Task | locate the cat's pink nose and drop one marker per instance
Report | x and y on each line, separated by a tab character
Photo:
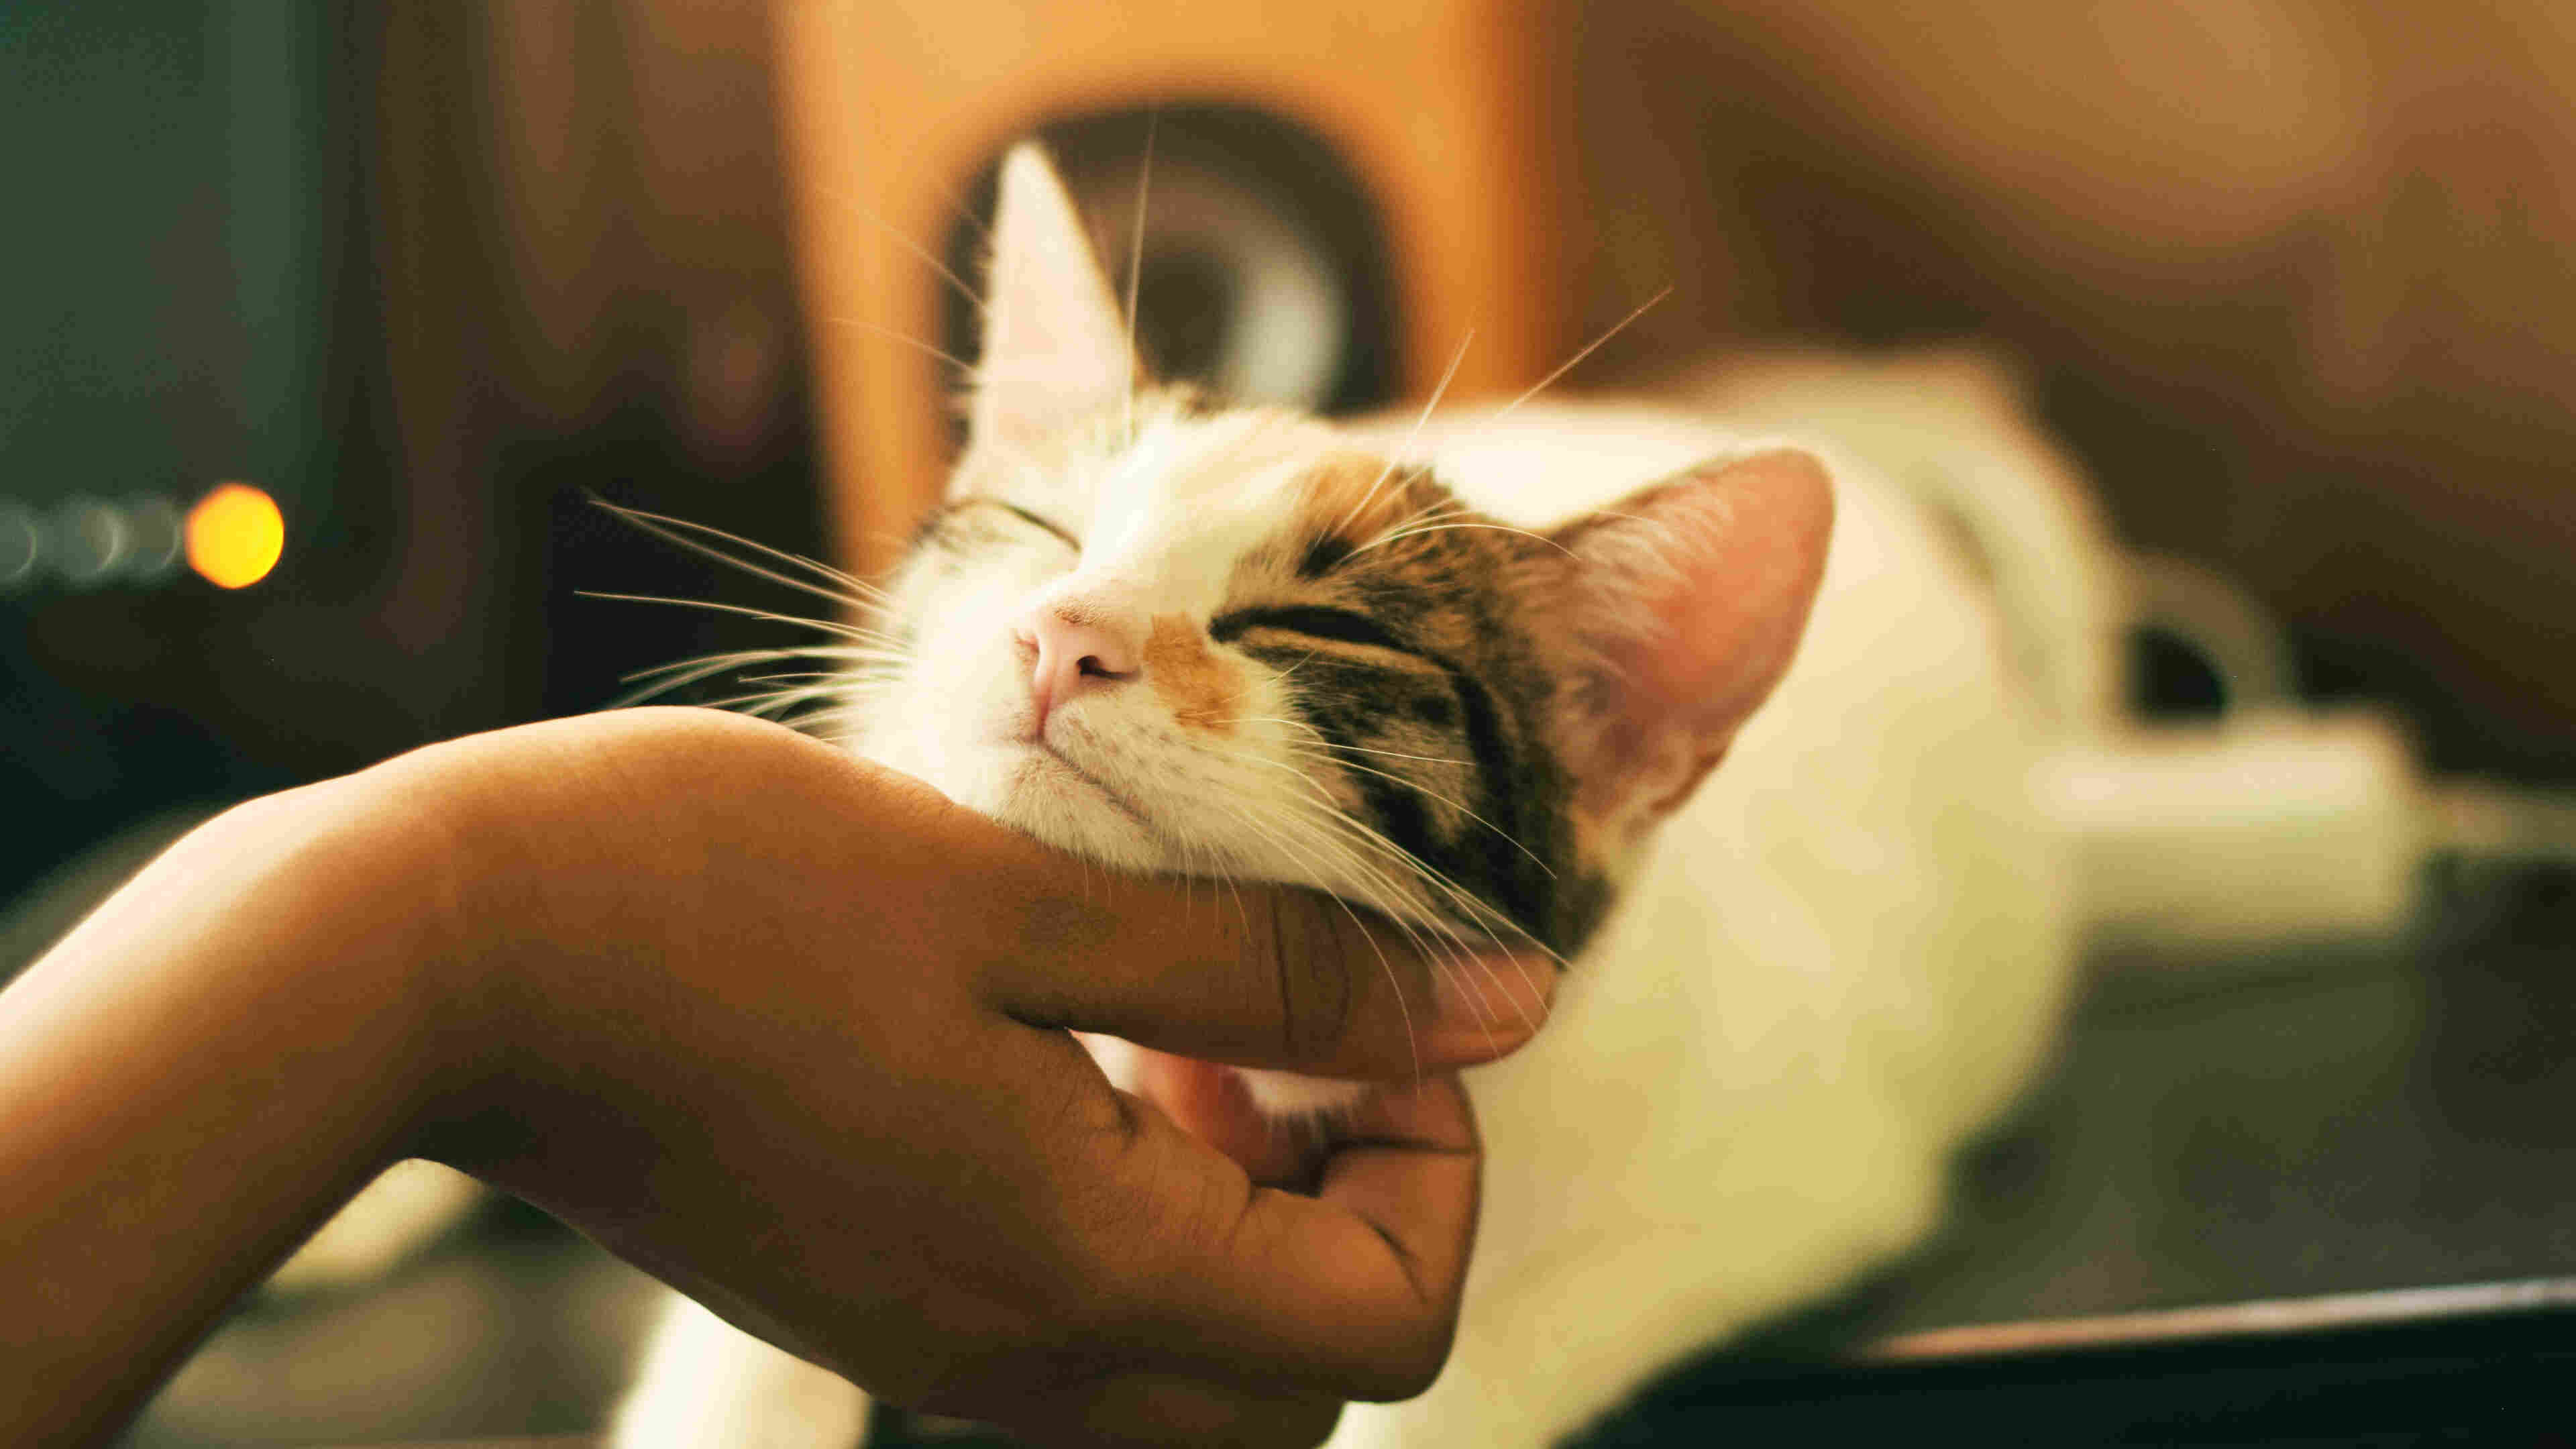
1076	653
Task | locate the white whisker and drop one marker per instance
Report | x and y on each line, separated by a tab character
845	631
861	594
1330	753
1412	1046
739	657
937	267
1393	458
906	339
1136	268
1588	349
1360	749
1445	527
1373	887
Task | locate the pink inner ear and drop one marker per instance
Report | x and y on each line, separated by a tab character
1696	590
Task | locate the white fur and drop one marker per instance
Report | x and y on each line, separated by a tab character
1842	955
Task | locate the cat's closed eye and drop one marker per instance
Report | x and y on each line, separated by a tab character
986	505
1316	621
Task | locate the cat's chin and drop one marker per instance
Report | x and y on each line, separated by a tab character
1041	793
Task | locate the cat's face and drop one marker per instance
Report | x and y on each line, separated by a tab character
1216	650
1228	643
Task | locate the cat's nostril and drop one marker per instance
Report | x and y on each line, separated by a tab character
1069	655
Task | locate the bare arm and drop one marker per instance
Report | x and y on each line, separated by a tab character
779	1027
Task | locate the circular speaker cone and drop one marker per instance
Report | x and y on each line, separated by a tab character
1256	264
1233	289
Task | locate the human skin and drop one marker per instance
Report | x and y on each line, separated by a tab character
785	1029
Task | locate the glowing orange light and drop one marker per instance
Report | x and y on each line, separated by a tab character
235	535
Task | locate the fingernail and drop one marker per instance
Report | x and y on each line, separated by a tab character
1487	1005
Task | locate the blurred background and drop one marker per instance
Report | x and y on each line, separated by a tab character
2289	280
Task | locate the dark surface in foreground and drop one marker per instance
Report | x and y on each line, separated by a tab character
2339	1121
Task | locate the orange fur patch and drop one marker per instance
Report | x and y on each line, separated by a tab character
1193	681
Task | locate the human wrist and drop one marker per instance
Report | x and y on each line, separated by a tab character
373	932
197	1076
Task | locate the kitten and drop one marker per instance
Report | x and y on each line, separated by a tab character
1475	677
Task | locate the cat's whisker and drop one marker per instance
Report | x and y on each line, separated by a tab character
1568	365
1360	508
1425	790
1360	749
1412	1045
1355	878
1466	903
1474	908
861	593
1477	908
692	672
1136	268
687	672
1328	814
1445	527
767	703
736	658
804	723
1491	921
907	339
1432	512
1376	890
845	631
894	234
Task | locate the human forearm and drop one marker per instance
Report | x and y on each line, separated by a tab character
192	1081
788	1030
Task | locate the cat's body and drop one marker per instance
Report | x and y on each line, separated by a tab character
1781	1011
1843	955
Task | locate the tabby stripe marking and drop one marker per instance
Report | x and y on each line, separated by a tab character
1522	891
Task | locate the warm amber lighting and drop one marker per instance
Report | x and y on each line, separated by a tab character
235	535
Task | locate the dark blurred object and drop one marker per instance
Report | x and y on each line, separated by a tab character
2289	274
173	279
2317	1197
2292	275
429	278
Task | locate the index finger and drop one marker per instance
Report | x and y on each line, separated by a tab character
1257	976
1353	1292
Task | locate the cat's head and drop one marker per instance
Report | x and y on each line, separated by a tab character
1228	642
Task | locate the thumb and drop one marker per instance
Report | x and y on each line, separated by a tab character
1255	976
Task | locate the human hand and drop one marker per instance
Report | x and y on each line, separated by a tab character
791	1032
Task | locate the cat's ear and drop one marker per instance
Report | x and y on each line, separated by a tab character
1055	350
1685	601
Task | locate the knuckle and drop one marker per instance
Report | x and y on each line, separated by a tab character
1307	1422
1409	1369
1313	955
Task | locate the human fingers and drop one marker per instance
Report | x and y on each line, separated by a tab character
1253	976
1211	1103
1352	1292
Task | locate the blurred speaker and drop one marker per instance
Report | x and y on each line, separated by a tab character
1257	258
1342	195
